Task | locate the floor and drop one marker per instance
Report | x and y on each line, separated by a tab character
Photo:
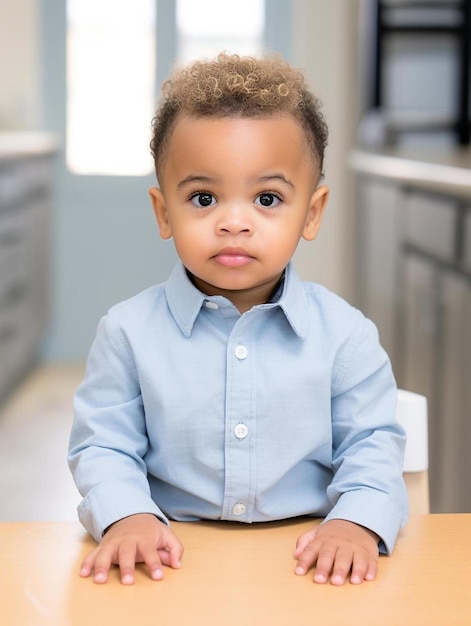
35	421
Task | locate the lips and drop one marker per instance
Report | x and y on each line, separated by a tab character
233	257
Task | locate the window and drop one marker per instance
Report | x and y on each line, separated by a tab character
111	72
207	27
111	67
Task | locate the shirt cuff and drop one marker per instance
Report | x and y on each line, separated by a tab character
374	510
112	501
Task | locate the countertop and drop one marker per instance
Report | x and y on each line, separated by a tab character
444	170
235	574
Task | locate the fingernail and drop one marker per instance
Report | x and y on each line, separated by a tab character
299	571
157	574
127	579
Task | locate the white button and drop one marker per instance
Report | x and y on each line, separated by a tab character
211	305
238	509
241	431
241	352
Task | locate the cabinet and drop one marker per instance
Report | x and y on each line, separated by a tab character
436	362
408	45
25	202
414	281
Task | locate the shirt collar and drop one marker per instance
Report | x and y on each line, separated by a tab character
293	302
185	300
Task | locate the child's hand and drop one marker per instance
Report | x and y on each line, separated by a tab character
136	539
337	547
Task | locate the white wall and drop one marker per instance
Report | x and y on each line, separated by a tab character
19	65
324	47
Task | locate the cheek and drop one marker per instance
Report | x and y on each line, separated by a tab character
188	238
286	233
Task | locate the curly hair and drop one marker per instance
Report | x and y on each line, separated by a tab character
238	86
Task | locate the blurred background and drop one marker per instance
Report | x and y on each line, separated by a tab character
79	82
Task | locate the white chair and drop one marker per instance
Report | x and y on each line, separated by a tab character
412	414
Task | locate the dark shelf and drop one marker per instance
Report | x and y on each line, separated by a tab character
461	31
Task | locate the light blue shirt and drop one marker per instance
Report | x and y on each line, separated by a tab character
190	410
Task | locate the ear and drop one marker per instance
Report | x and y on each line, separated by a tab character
317	206
160	212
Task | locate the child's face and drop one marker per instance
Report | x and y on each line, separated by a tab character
237	195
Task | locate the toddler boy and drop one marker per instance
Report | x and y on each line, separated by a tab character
235	391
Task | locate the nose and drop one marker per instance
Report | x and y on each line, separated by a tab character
234	221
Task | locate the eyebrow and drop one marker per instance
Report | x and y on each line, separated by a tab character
196	179
266	178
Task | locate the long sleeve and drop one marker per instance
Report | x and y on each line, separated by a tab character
109	440
368	444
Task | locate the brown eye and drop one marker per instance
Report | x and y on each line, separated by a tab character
267	200
203	200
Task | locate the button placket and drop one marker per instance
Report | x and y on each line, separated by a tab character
239	491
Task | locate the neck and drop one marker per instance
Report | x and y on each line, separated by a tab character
242	299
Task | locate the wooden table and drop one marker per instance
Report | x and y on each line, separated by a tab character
234	574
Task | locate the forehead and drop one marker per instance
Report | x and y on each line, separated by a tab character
220	141
215	123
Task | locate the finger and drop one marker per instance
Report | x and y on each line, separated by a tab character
359	567
325	562
303	541
172	555
127	562
364	568
151	558
306	559
372	570
341	566
88	564
103	562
